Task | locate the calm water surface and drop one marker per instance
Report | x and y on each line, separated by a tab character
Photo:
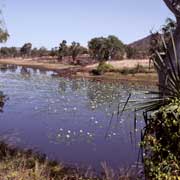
73	121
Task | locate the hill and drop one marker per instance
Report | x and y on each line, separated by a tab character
142	44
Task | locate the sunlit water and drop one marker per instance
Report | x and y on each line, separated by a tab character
73	121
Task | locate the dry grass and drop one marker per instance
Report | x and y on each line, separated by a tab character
26	165
127	63
41	64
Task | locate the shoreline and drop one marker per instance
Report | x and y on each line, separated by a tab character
27	164
76	71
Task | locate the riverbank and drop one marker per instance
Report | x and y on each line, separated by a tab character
148	77
26	165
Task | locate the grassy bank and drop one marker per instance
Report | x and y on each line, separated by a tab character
18	164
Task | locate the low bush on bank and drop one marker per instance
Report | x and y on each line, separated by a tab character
137	69
102	68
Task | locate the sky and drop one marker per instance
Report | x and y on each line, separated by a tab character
47	22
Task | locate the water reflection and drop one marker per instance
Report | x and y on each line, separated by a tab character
72	120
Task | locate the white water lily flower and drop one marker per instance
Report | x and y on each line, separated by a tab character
68	136
96	122
69	131
81	131
92	118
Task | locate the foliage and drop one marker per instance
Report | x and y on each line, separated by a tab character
3	35
26	49
106	48
102	68
54	52
9	52
131	52
63	49
161	143
42	51
75	50
137	69
26	165
161	138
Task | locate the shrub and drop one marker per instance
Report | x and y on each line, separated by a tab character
102	68
161	143
138	69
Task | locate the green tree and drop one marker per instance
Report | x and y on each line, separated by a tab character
63	50
131	52
54	52
3	30
104	49
115	47
5	52
74	50
43	52
26	50
3	35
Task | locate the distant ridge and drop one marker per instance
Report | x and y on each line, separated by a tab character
142	44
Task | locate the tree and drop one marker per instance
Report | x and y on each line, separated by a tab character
116	47
43	52
4	52
75	49
104	49
131	52
63	49
54	52
26	49
3	35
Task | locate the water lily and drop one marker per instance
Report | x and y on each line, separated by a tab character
68	136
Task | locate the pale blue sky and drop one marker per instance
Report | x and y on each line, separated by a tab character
48	22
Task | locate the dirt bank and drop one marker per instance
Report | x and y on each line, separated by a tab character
79	71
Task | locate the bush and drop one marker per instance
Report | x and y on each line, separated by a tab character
162	143
102	68
138	69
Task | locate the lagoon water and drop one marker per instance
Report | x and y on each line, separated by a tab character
75	121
